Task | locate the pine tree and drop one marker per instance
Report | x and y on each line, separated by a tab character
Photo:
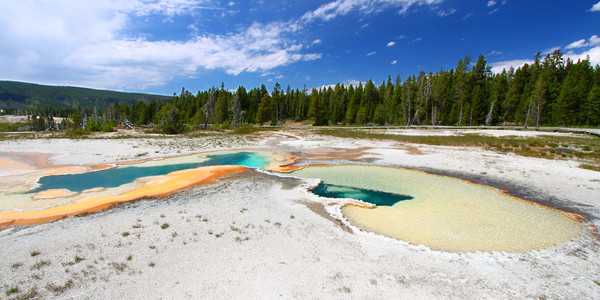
264	110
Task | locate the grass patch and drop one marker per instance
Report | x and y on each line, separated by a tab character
31	294
35	253
587	148
124	234
164	226
12	290
8	127
16	265
59	289
151	265
590	167
40	264
118	266
252	129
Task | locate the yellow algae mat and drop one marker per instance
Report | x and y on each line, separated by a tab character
448	214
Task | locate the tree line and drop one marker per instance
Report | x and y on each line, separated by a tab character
551	91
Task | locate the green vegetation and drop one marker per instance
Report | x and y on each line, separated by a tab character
35	253
164	226
550	91
4	127
27	96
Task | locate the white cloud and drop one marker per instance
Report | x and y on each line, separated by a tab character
467	16
86	43
338	8
81	43
317	41
497	67
587	50
550	50
390	44
371	53
346	83
596	7
577	44
494	11
393	62
491	3
593	54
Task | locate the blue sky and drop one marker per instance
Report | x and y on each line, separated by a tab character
160	46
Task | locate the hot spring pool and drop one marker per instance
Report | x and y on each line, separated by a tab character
447	214
125	174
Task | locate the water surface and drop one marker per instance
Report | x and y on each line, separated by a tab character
126	174
378	198
446	213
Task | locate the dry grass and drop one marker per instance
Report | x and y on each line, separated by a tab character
585	149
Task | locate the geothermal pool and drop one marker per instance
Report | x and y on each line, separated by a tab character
442	213
120	175
448	214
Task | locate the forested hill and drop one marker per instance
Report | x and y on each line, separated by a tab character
29	96
551	91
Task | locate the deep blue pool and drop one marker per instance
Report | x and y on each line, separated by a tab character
121	175
376	197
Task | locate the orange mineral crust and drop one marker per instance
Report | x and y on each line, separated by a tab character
154	187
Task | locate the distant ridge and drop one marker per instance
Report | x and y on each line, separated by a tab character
14	94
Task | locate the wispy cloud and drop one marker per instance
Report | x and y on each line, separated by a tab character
491	3
331	10
494	11
467	16
444	13
595	7
393	62
371	53
390	44
415	40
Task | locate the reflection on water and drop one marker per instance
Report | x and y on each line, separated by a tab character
125	174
